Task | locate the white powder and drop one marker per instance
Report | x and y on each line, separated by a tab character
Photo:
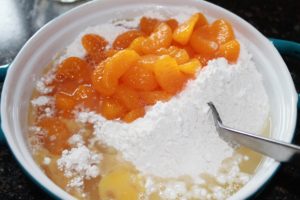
178	137
49	112
218	193
41	85
41	101
36	138
197	192
90	117
79	163
76	139
173	190
228	176
47	161
36	130
45	105
42	88
230	173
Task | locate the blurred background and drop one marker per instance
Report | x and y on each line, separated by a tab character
20	19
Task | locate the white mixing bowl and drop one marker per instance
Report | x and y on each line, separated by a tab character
57	34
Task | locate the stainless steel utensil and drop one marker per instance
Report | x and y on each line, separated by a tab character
280	151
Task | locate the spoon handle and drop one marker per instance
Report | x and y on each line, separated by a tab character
280	151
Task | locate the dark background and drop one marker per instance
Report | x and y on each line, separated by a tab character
19	19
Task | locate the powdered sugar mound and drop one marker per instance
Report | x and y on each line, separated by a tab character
79	163
178	137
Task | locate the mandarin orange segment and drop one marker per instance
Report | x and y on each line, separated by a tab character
150	98
95	59
136	45
128	97
93	43
202	45
133	115
222	31
147	61
73	68
201	21
168	74
191	67
160	38
207	33
181	56
147	25
57	134
190	51
64	102
105	77
112	109
124	40
140	78
118	64
87	96
162	51
173	23
203	59
84	92
184	31
67	87
110	52
98	83
229	50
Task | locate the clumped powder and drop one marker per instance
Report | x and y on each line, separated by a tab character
79	163
178	137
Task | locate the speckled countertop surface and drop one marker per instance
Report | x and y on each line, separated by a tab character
19	19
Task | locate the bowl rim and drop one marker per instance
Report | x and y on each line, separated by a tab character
4	103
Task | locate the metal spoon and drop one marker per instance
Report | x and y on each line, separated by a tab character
280	151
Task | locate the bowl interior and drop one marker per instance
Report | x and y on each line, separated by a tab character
41	48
